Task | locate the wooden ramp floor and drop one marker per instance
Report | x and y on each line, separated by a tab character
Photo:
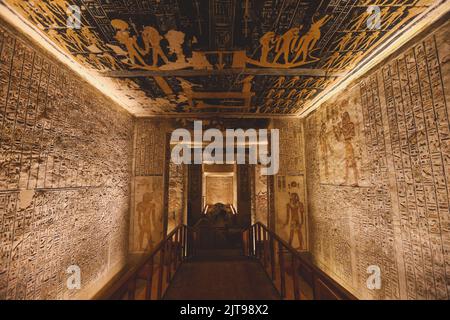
221	277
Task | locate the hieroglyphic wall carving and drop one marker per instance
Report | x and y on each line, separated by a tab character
147	225
290	206
291	145
150	146
65	168
399	218
290	210
261	196
148	212
177	192
340	137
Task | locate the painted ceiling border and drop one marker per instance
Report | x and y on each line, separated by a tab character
105	86
396	41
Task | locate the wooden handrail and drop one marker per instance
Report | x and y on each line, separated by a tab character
158	267
261	243
172	251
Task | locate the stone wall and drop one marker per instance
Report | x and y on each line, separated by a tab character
149	199
65	166
177	195
377	172
261	196
289	189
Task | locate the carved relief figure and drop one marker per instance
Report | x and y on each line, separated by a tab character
346	130
146	212
290	210
295	218
290	49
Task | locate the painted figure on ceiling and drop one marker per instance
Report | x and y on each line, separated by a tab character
94	43
130	42
308	42
290	49
285	44
345	60
292	82
357	41
109	61
390	20
49	14
309	81
28	10
59	5
176	41
279	82
267	42
61	41
152	41
331	60
369	40
279	94
74	38
344	41
291	94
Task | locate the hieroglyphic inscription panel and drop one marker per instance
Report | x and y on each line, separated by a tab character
148	211
290	206
150	146
65	167
399	220
291	145
177	199
261	196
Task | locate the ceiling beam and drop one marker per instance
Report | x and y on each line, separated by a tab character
206	115
233	71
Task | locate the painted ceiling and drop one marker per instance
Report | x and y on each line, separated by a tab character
219	56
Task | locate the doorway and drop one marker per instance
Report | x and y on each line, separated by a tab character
219	186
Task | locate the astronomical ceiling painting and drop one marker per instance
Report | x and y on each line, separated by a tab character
219	56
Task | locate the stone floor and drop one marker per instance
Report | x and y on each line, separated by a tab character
221	277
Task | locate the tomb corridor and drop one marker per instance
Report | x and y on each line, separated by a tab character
224	150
